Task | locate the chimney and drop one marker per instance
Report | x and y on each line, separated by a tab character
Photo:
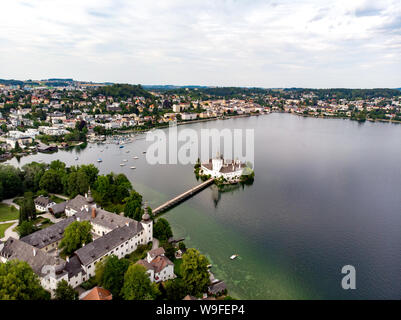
93	212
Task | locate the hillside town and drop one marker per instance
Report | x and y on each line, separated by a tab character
44	116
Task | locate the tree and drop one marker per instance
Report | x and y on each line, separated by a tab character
51	181
162	230
91	172
25	228
19	282
27	210
77	183
194	271
75	235
10	178
133	207
137	285
17	148
175	289
182	246
170	251
65	292
32	174
110	274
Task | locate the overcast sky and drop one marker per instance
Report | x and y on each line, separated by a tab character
281	43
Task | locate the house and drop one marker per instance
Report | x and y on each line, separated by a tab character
158	266
188	116
42	203
97	293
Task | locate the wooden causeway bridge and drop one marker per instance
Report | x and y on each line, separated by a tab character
173	202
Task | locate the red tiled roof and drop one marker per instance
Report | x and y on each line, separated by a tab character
98	293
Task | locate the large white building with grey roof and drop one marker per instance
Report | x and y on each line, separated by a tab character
113	233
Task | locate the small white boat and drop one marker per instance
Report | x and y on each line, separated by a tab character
99	160
76	158
133	168
136	157
125	160
122	164
234	256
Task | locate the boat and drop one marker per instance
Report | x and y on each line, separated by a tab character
144	152
76	158
121	147
136	157
132	168
99	160
234	256
122	164
125	160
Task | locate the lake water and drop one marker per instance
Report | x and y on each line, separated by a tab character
327	193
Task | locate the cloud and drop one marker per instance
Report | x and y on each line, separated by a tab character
309	43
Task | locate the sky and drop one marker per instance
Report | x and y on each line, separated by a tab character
262	43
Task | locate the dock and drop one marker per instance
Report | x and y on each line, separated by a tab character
183	196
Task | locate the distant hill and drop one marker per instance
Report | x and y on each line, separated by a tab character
170	87
123	91
11	82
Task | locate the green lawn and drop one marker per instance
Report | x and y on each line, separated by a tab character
8	212
4	227
177	267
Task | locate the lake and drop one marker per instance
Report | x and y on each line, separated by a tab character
327	193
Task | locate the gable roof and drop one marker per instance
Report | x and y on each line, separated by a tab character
37	259
77	203
97	293
158	264
104	218
156	252
51	234
43	201
98	248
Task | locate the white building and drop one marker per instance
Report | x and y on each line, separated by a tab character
43	204
218	167
188	116
158	266
114	235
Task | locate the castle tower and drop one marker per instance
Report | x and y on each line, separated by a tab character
217	162
147	225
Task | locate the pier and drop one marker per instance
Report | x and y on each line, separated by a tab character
173	202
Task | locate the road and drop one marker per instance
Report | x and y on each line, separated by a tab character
11	203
